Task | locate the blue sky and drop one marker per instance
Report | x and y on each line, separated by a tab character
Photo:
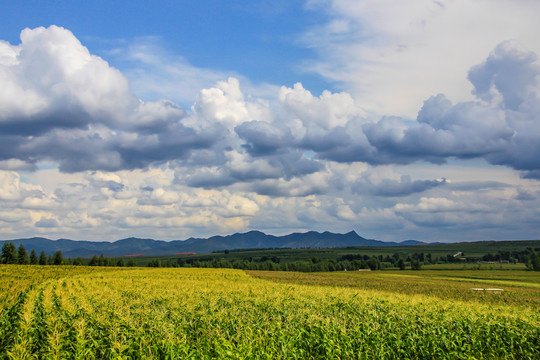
257	39
400	120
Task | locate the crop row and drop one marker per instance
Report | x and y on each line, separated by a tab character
209	313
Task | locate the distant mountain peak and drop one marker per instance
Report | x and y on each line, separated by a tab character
252	239
255	232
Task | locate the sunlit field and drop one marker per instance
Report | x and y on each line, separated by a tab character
520	288
110	313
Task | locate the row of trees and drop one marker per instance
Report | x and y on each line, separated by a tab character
104	261
19	255
13	255
345	263
522	256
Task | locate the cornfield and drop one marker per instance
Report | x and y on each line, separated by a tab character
110	313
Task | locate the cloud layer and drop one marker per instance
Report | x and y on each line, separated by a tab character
235	161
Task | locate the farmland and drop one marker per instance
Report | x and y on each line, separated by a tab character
168	313
485	255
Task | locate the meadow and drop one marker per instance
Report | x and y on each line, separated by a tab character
59	312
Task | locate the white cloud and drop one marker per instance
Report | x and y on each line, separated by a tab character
51	71
326	111
9	185
125	133
224	102
63	104
235	161
392	55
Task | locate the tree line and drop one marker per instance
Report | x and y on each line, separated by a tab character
19	255
413	261
13	255
315	264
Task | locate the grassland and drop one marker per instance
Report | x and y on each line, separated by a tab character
111	313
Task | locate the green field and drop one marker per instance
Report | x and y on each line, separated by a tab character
67	312
473	251
520	288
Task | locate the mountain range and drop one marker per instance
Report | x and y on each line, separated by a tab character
249	240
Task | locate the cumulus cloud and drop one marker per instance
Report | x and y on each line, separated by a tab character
485	128
158	197
98	204
233	161
392	55
444	212
500	126
242	168
52	81
326	111
510	71
494	212
297	187
394	188
9	185
63	104
108	181
263	138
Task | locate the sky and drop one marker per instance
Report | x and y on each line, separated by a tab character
177	119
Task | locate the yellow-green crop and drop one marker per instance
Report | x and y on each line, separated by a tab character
218	313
